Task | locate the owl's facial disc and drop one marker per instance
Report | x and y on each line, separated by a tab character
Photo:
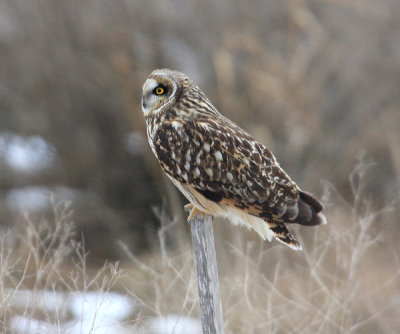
157	93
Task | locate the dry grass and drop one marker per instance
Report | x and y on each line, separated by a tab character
337	285
343	282
42	262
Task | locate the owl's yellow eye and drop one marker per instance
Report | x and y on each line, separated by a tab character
159	90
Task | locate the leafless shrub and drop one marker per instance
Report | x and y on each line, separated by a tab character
45	261
338	284
344	280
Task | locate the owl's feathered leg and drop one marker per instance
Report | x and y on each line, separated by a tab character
193	211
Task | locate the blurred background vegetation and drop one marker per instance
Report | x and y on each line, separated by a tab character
316	81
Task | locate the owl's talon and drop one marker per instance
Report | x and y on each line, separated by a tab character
193	212
188	207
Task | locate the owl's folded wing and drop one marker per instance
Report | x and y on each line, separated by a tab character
226	165
244	173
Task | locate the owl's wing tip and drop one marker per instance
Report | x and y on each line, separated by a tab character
283	235
293	244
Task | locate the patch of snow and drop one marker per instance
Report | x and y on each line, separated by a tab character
26	155
110	305
93	312
94	326
25	325
99	313
48	300
28	198
37	198
174	324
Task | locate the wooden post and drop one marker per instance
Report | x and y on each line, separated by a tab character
207	274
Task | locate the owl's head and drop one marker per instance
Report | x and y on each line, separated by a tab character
161	90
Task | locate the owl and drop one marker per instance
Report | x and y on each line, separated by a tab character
220	168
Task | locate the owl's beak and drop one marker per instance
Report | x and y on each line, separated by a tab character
145	104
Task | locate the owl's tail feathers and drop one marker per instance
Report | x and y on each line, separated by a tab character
282	234
308	211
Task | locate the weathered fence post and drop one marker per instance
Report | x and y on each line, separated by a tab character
207	274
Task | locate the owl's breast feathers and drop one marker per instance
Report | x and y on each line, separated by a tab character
227	166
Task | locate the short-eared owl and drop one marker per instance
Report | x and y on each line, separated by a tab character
219	167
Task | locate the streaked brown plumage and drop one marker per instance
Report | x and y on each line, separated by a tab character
219	167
